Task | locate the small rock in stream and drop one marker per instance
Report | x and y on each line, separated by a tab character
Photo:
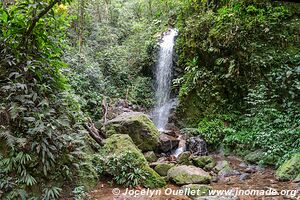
243	165
245	176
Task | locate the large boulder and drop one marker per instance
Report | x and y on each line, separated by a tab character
184	174
138	126
120	143
163	168
203	161
168	143
290	169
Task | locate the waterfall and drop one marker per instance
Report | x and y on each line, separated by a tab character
163	75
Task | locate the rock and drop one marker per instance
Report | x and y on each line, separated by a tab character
220	165
243	165
168	143
184	158
138	126
227	171
196	190
297	179
224	170
290	169
150	156
197	146
184	174
254	157
210	166
171	133
244	176
163	168
202	161
120	143
251	169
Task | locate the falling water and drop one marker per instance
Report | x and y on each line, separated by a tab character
163	75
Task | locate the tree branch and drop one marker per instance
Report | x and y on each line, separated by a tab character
97	135
37	18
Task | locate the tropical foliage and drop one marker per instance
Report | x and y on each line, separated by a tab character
241	62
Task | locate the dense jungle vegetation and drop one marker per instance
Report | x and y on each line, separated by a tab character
237	81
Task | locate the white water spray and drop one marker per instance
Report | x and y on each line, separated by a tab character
163	75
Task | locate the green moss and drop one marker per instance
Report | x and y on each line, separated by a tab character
185	178
163	168
202	161
221	165
184	158
290	169
190	109
210	166
153	180
139	127
188	174
150	156
119	143
87	176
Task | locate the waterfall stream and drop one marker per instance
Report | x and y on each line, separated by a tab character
163	75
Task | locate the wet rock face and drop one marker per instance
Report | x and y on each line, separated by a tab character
168	143
197	146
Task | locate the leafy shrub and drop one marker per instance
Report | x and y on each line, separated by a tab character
80	193
214	129
126	168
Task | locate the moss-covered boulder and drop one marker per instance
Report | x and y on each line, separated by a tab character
153	179
290	169
120	143
184	174
196	190
224	169
202	161
210	166
163	168
150	156
138	126
184	158
221	165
